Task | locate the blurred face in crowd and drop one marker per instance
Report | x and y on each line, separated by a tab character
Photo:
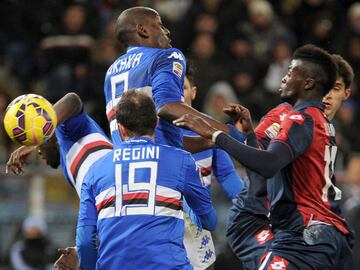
335	97
189	91
74	19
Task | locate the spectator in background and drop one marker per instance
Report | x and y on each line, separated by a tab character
33	251
263	28
205	58
67	54
281	53
220	94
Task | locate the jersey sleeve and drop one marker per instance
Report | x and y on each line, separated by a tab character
167	78
87	210
196	195
225	173
296	131
77	127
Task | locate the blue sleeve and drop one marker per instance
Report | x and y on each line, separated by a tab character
86	226
87	210
236	134
197	196
86	247
167	79
226	174
77	127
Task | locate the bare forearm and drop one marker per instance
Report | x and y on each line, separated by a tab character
196	144
172	111
68	106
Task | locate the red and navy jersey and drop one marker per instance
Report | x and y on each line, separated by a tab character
304	192
269	125
82	142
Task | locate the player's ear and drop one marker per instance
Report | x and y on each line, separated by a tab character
347	93
140	29
193	92
309	84
123	132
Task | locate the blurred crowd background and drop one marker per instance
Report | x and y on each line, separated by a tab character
240	49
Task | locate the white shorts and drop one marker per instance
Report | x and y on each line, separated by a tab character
199	245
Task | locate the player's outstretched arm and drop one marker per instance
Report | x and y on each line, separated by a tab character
172	111
68	259
264	162
68	106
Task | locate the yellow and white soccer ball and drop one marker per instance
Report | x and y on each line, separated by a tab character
30	120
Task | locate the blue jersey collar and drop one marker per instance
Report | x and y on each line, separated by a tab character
305	104
139	140
131	48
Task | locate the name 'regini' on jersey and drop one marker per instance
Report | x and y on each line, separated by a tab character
158	72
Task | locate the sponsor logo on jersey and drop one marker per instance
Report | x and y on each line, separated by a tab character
177	69
177	55
264	235
278	263
296	117
273	130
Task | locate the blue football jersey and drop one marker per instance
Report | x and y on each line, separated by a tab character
158	72
134	198
81	143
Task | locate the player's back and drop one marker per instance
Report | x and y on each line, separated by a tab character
138	195
304	192
160	73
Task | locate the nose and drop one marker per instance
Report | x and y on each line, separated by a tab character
283	80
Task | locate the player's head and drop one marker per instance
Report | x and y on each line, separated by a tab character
341	90
189	87
136	115
49	151
142	26
311	74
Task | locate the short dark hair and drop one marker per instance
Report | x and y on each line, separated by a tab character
344	69
137	113
190	71
320	64
127	21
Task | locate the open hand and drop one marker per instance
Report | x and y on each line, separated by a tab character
18	158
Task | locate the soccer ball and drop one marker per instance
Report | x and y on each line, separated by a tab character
30	120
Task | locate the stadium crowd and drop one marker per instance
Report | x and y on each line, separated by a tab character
240	50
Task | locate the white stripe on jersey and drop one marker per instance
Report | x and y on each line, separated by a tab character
168	192
75	150
164	211
106	194
85	166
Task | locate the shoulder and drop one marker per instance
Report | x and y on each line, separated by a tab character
103	163
174	151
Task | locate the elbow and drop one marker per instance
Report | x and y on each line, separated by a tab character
75	101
